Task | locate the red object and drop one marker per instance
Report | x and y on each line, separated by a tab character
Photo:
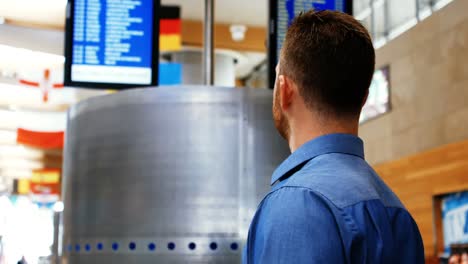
170	27
45	188
45	90
47	140
45	87
47	170
46	74
29	83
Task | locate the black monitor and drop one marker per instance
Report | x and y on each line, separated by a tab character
281	14
112	44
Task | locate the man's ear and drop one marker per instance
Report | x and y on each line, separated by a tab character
286	92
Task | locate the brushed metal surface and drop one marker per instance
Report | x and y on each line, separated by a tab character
180	165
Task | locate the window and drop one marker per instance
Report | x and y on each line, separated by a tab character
386	19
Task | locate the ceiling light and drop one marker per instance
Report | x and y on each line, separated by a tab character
58	206
238	32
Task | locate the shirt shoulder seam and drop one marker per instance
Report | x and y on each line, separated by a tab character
333	203
322	196
347	219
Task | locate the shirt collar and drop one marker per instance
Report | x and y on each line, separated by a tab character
331	143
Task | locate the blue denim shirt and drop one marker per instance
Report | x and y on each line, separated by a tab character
328	205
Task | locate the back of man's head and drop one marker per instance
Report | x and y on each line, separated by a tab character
330	57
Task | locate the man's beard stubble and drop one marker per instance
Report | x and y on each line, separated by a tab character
281	123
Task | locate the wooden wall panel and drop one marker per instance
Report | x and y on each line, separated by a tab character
255	37
418	178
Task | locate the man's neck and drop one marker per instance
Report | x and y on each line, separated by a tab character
303	132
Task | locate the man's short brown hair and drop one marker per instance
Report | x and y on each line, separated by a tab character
330	56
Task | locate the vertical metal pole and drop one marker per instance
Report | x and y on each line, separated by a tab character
387	21
208	51
431	5
418	15
55	246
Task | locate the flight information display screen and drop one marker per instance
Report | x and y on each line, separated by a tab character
112	43
282	13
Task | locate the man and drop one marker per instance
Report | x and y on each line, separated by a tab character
327	205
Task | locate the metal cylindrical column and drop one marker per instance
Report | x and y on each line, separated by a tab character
208	52
166	175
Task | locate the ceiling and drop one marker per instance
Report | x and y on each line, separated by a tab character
52	12
46	12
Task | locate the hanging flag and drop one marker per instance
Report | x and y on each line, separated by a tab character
170	28
170	73
45	182
46	140
170	39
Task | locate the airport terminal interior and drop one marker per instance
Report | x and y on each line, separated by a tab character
141	131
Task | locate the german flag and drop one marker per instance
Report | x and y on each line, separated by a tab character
170	38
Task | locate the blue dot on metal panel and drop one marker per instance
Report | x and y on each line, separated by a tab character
88	247
70	247
234	246
213	246
100	246
192	246
152	246
115	246
132	246
171	246
77	248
